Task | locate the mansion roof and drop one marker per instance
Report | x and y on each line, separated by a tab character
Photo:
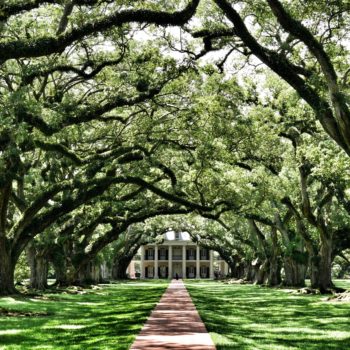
176	236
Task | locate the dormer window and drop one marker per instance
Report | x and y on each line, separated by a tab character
177	236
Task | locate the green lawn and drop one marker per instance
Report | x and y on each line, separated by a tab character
237	317
108	318
257	318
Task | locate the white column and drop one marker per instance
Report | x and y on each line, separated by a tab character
197	262
170	262
183	261
211	266
156	262
142	261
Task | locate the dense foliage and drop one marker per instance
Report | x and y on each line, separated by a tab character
116	112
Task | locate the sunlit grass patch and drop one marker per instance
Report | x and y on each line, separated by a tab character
107	318
69	326
253	318
11	301
10	331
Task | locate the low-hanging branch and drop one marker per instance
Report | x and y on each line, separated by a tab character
8	10
28	79
298	30
286	70
87	114
95	112
121	227
26	229
12	9
48	45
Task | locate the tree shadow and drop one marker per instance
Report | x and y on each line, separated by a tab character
109	318
250	317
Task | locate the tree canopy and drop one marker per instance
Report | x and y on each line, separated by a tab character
235	114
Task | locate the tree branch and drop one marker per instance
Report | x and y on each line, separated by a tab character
48	45
64	19
286	70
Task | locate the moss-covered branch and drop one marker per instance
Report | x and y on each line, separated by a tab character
48	45
286	70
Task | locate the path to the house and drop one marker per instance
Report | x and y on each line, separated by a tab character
174	324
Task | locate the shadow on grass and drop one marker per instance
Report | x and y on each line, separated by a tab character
109	318
250	317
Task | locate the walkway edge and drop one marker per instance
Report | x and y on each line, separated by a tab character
174	324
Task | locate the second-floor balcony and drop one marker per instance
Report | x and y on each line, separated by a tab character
177	257
160	257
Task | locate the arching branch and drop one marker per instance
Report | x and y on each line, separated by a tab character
48	45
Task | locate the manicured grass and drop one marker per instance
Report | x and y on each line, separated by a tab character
259	318
107	318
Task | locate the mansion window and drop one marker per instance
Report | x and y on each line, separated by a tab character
191	271
150	254
204	254
150	272
162	254
191	254
177	253
204	271
163	271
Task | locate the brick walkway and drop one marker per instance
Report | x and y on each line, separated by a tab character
174	324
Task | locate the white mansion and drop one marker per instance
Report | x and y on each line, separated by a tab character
176	255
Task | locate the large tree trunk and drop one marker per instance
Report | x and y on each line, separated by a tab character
59	263
274	266
7	270
233	269
87	273
326	264
238	267
38	264
262	272
240	270
84	275
321	266
38	278
314	269
119	271
250	271
294	272
61	274
256	271
274	274
120	267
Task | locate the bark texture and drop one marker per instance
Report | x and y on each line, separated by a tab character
38	263
7	270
